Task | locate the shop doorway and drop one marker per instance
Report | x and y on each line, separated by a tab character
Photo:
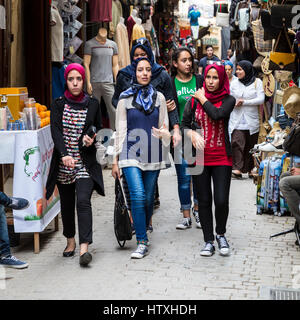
38	50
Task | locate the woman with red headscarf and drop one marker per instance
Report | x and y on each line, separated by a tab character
210	109
74	168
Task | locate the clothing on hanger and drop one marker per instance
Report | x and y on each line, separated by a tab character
100	10
123	45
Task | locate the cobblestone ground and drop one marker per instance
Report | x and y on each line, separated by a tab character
174	268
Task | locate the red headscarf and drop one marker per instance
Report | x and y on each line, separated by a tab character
223	89
78	67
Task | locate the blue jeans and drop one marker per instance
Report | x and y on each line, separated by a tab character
141	185
4	239
4	199
184	185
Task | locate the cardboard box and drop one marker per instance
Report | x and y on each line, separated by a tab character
16	98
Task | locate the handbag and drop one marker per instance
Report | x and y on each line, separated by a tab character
222	19
260	44
222	15
190	157
244	19
269	32
282	60
244	43
291	142
122	223
281	15
264	126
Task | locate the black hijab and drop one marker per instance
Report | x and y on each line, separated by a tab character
249	72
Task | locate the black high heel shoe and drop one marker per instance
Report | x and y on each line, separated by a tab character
67	254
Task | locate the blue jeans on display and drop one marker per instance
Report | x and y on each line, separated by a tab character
4	239
4	199
141	185
184	185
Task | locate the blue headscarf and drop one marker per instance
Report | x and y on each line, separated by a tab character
144	44
228	63
143	96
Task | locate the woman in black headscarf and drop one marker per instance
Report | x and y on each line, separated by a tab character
244	119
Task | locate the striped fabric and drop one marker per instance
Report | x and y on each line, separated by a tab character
73	123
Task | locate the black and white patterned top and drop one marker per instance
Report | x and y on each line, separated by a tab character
73	123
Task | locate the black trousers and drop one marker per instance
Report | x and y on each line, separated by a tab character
221	177
81	192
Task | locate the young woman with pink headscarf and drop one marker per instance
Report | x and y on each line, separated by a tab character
210	108
74	168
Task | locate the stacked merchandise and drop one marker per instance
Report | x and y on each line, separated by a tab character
268	197
69	13
28	115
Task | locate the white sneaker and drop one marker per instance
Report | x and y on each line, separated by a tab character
140	252
223	245
197	219
268	147
184	224
208	250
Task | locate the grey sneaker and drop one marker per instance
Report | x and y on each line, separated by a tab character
184	224
223	245
18	203
140	252
197	219
208	250
12	262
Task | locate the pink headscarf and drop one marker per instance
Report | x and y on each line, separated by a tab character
223	90
78	67
75	66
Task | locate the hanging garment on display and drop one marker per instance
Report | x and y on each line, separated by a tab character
100	10
57	35
125	8
195	32
137	33
123	45
58	79
67	5
225	34
2	18
117	12
130	24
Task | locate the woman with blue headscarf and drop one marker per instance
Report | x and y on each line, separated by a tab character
229	70
141	118
160	80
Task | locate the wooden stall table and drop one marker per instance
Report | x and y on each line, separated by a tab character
30	151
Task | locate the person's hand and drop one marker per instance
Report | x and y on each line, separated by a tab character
162	133
239	102
88	141
199	94
295	171
171	105
68	161
176	137
89	88
115	171
197	140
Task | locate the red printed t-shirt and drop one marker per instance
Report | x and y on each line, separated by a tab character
214	136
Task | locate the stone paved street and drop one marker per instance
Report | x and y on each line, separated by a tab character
174	268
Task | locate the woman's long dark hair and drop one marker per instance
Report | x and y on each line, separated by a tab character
175	57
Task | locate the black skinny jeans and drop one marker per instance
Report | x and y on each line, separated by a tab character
221	176
83	188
